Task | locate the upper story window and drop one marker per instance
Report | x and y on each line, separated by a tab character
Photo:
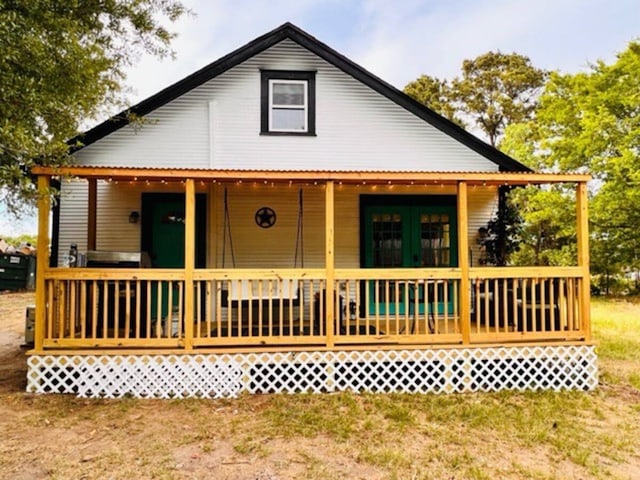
287	103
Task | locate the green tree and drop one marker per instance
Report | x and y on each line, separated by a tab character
548	234
494	90
21	239
62	63
590	121
435	94
497	89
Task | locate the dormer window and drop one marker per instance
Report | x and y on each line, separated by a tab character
287	103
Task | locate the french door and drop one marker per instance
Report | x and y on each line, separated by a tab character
409	236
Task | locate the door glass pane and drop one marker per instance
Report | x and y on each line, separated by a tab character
435	240
387	240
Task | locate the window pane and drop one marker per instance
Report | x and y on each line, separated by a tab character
387	240
288	119
435	240
288	94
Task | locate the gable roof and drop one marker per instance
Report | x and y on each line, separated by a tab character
292	32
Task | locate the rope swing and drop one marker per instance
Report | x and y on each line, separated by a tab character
226	230
299	234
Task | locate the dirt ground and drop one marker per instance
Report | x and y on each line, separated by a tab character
12	360
57	436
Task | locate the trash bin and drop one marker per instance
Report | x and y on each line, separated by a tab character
17	271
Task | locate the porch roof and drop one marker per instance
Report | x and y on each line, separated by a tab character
283	176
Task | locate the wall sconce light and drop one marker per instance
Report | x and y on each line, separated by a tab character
134	217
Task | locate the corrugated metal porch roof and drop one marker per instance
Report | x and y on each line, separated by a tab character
345	176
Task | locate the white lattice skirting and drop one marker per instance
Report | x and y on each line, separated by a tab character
227	375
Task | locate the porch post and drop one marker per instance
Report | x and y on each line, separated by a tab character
189	261
42	259
463	263
329	262
92	211
582	214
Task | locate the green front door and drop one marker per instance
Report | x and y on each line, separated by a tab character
409	236
163	217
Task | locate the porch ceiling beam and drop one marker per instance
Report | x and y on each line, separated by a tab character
318	176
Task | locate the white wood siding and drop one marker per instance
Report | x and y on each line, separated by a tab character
217	125
73	217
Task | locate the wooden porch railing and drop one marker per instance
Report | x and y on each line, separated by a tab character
89	308
533	303
145	308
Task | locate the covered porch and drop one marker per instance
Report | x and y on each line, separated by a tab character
328	309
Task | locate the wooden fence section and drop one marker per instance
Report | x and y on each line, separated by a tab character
145	308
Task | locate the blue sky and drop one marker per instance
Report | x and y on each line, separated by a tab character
396	40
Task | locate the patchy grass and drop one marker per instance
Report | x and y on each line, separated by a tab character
510	435
616	327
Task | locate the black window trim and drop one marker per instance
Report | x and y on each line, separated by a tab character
309	77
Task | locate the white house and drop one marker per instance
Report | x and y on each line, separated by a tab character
283	220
